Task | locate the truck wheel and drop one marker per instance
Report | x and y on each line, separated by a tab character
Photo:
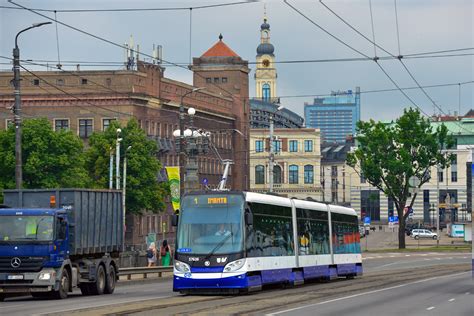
110	280
63	286
98	287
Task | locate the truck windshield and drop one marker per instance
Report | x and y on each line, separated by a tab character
211	224
21	228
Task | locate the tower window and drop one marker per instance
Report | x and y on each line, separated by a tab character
224	79
216	80
84	81
266	92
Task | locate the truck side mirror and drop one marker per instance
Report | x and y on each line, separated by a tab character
248	219
174	220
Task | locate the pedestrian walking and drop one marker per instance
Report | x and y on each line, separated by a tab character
165	253
151	255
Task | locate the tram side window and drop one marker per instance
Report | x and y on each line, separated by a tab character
272	233
313	232
345	234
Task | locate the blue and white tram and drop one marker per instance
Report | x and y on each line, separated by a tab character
240	241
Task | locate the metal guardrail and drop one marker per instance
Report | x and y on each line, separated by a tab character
144	271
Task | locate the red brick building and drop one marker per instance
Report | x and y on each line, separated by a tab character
87	101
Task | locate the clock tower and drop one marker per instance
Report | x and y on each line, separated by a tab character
265	73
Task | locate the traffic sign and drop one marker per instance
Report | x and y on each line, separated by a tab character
367	221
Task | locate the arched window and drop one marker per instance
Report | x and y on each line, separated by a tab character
293	174
266	92
308	174
259	174
277	174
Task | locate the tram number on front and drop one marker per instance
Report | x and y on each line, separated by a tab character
217	200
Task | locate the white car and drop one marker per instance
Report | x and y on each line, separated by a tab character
423	233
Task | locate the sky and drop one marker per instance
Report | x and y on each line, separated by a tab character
424	26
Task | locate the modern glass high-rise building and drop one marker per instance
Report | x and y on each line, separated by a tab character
336	116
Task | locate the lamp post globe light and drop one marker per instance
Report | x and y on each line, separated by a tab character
181	137
17	107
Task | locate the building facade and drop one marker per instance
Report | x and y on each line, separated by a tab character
336	116
335	173
297	160
454	183
87	101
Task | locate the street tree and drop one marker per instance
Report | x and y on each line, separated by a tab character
51	159
389	155
144	192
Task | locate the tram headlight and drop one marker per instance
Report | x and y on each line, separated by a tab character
181	266
234	265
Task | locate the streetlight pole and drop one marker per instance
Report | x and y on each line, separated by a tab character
117	159
111	169
437	207
271	156
17	107
124	183
181	139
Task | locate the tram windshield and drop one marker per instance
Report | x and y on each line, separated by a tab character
211	224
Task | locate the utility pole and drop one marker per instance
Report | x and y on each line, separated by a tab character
17	107
192	178
271	156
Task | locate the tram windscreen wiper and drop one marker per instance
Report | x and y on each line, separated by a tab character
220	244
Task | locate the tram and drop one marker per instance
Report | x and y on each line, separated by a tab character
240	241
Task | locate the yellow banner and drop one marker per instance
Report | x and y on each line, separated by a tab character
173	178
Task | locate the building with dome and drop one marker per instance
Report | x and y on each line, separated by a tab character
265	72
266	101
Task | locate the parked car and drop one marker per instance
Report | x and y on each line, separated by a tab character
411	226
423	233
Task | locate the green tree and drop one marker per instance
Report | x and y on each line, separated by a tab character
143	190
50	159
388	155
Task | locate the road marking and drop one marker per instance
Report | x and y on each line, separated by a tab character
101	305
451	300
389	264
10	306
365	293
430	308
407	255
467	293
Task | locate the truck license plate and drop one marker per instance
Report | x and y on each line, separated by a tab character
16	277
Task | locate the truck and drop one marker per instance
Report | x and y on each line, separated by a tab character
55	240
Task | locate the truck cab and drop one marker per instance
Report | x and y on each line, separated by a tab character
33	243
